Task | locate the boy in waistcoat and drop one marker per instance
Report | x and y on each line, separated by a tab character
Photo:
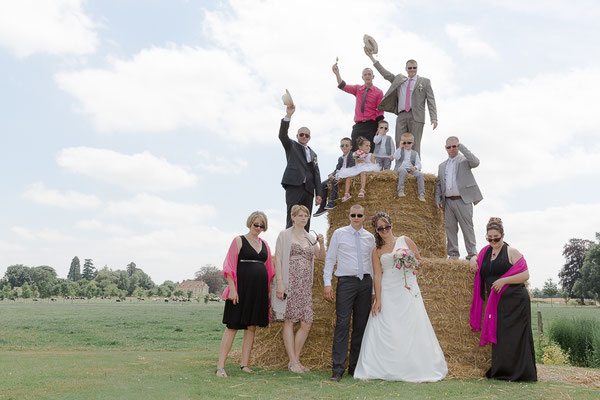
408	162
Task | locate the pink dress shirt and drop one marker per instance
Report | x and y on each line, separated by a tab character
374	96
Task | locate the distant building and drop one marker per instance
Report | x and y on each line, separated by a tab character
198	288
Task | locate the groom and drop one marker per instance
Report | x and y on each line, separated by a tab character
351	246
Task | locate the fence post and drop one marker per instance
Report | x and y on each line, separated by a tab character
540	323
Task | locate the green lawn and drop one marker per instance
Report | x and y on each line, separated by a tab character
154	350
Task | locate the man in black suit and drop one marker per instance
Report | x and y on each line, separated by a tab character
301	178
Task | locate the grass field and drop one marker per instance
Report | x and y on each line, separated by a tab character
154	350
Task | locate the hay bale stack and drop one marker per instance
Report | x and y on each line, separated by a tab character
422	222
446	285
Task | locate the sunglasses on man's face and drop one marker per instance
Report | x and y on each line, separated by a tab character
258	226
406	142
304	135
493	240
411	68
356	215
451	147
384	228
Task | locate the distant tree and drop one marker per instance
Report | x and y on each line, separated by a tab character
17	275
189	294
213	277
75	270
106	277
123	282
589	282
574	253
131	268
536	293
111	290
550	289
89	271
45	289
141	279
26	292
91	290
139	292
178	293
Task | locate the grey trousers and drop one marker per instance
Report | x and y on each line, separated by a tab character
457	212
406	123
383	162
353	296
403	173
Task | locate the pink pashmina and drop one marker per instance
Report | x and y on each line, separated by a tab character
490	320
230	266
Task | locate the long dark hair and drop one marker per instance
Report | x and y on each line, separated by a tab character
379	215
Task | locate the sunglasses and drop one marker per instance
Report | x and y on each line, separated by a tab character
406	142
411	67
384	127
384	228
258	226
357	215
344	145
451	147
304	135
493	240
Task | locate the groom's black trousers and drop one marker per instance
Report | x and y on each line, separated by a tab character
352	299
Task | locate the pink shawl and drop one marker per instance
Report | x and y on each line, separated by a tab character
230	266
490	320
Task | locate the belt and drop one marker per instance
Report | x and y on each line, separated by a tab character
454	197
353	276
365	120
254	261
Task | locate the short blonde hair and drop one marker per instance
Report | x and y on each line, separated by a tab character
296	209
408	135
254	216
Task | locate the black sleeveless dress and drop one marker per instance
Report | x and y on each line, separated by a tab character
513	357
253	290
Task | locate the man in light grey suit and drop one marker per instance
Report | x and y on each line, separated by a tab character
406	98
456	192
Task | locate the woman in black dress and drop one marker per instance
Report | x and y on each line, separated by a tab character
513	355
249	270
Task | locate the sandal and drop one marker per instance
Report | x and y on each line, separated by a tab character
361	193
306	369
246	369
347	196
221	373
296	367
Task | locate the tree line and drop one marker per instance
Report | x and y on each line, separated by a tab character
580	275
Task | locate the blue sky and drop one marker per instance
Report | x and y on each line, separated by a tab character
146	131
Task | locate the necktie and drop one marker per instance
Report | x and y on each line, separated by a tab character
407	100
362	106
359	259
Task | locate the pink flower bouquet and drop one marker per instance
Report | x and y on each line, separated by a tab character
405	259
360	155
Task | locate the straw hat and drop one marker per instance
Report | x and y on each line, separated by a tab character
287	98
370	44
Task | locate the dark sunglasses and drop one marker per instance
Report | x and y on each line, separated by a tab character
258	226
406	142
356	215
384	127
344	145
493	240
451	147
384	228
411	67
304	134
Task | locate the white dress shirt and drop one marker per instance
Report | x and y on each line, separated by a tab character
380	151
342	248
450	177
402	92
406	164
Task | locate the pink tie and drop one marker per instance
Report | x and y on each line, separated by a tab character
407	101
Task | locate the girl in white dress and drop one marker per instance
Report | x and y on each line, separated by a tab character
365	162
399	343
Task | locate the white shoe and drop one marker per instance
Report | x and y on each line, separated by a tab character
401	193
422	198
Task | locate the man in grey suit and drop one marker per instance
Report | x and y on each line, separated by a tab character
456	192
406	98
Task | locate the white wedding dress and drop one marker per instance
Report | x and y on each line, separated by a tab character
399	343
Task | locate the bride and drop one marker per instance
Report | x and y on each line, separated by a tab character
399	343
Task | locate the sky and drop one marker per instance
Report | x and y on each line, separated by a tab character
146	130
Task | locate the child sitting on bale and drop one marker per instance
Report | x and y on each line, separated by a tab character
408	162
384	146
365	162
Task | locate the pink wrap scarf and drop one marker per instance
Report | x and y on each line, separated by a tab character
230	266
490	320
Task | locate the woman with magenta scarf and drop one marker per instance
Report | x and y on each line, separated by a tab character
501	271
249	270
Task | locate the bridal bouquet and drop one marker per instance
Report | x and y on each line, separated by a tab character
360	155
406	258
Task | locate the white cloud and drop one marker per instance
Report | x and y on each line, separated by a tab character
53	27
221	164
137	172
96	225
153	210
468	42
38	193
44	235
